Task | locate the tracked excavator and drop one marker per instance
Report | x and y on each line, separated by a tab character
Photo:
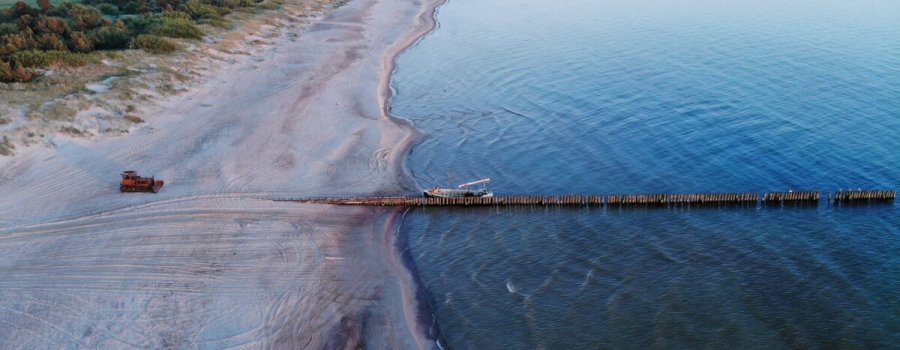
131	182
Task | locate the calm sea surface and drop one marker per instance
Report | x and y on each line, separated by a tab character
590	96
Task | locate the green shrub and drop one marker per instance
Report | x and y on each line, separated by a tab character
139	24
82	17
79	42
108	9
13	72
232	4
131	8
122	6
199	10
25	21
98	2
11	43
154	44
21	8
50	41
55	25
67	33
111	37
168	4
135	7
175	28
8	28
176	15
173	24
45	5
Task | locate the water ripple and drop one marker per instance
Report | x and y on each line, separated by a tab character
658	96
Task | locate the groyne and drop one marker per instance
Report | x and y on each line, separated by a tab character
748	199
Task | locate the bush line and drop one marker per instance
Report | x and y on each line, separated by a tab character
72	34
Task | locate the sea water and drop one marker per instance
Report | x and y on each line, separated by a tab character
603	97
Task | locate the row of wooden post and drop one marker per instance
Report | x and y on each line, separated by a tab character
656	200
864	196
791	197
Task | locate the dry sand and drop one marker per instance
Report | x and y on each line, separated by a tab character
209	262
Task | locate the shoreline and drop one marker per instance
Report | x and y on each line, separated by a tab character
417	311
306	114
425	315
425	23
421	318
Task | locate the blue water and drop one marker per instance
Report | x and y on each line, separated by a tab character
658	96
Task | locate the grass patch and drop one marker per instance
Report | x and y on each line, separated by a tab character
205	13
176	28
60	111
6	147
54	111
268	5
35	106
34	58
167	89
71	130
133	118
154	44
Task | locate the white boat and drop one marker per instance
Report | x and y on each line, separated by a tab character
461	190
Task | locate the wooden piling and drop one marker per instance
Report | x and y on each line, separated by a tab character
865	196
796	198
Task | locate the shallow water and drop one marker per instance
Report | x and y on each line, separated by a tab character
658	96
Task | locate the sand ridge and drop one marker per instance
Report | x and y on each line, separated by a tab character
208	262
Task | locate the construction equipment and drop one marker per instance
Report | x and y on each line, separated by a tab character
131	182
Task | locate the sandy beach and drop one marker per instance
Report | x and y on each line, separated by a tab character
210	262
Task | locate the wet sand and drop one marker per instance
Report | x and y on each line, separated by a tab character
209	262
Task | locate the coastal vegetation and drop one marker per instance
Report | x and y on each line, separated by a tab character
108	90
67	34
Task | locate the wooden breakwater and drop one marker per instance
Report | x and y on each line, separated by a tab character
864	196
799	198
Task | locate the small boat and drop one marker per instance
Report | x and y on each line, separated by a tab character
461	191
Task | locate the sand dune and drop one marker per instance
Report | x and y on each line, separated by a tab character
208	262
